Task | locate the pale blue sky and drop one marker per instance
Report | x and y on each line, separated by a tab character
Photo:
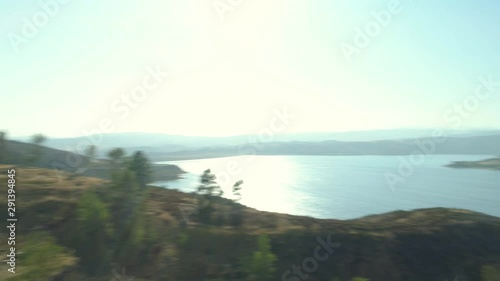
227	76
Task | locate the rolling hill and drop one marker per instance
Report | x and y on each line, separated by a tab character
66	161
425	244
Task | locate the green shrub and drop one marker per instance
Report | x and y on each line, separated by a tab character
260	266
42	258
490	273
360	279
92	233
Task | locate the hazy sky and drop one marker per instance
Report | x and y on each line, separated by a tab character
229	69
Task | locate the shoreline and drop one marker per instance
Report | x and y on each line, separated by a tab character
492	164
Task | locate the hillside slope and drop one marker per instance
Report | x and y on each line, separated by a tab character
68	161
428	244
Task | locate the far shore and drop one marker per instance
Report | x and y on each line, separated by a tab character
488	164
161	172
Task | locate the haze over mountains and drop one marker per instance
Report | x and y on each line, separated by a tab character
477	145
376	142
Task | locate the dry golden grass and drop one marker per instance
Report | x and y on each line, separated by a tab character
41	187
48	201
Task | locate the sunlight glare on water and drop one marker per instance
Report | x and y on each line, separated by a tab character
346	187
268	181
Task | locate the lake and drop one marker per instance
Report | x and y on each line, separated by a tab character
347	187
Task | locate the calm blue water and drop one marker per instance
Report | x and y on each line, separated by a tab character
346	187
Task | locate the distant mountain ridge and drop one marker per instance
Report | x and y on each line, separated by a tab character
480	145
163	143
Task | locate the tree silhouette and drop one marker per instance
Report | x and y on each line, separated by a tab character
90	154
38	139
36	150
236	191
140	165
209	186
116	156
207	190
3	147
